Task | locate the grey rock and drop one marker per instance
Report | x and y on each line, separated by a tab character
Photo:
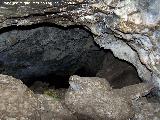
17	102
54	109
95	100
134	24
145	110
129	28
46	50
134	92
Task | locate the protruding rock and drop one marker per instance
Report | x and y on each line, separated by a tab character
17	102
92	98
134	91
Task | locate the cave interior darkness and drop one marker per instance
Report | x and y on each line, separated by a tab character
119	77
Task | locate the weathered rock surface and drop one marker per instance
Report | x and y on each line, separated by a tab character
130	28
47	50
133	92
93	98
145	110
54	109
88	98
17	102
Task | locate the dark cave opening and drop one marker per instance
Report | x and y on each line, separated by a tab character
58	81
46	55
126	75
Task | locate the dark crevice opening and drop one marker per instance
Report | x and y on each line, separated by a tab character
127	77
119	73
45	24
60	79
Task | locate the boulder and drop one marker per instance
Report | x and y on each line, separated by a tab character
92	98
17	102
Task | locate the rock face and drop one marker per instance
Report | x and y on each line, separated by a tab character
93	98
46	50
145	110
19	103
130	28
16	100
88	98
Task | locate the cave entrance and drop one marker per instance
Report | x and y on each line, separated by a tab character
45	56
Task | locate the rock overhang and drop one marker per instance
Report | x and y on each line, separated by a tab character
129	28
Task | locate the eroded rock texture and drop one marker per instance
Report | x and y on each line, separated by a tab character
17	102
48	50
88	98
93	98
130	28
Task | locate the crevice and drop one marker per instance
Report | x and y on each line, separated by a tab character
49	54
119	73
